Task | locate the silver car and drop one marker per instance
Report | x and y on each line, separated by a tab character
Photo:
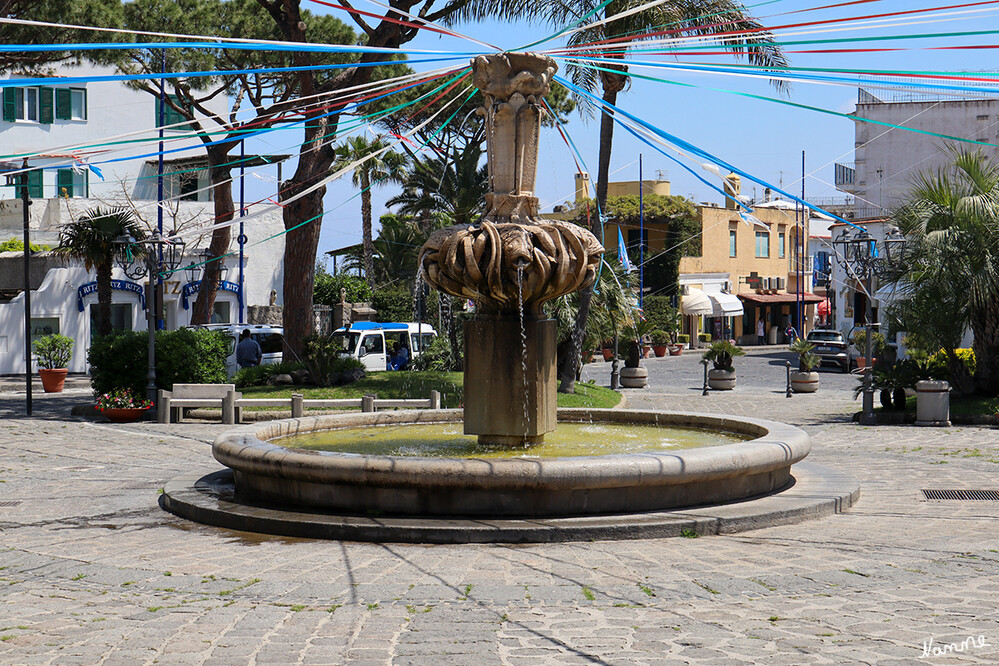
831	347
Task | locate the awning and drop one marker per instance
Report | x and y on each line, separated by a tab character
724	305
695	302
781	298
824	308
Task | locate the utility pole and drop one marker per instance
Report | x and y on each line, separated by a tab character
25	202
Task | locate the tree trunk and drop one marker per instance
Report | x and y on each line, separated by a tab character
104	298
368	242
985	326
204	306
613	83
961	380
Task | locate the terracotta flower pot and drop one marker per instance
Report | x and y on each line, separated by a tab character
646	351
660	350
53	379
675	350
124	414
608	354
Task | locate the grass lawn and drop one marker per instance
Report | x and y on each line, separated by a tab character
411	384
966	405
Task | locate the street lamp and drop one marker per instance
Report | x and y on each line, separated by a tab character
150	251
859	255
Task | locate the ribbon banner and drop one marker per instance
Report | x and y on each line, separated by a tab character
194	287
120	285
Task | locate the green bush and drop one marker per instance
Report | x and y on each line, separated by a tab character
53	351
323	360
17	245
327	288
184	356
257	375
683	338
659	311
393	304
936	365
704	337
438	357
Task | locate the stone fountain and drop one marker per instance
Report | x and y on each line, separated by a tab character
510	263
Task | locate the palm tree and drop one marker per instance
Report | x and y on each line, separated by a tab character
951	218
90	239
376	165
454	185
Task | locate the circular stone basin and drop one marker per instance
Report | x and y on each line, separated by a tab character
268	473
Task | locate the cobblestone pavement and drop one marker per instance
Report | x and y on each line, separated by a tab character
92	571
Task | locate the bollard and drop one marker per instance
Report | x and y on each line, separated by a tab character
229	408
705	364
435	400
788	365
163	406
297	405
368	402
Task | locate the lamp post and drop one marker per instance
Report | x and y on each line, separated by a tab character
167	253
860	255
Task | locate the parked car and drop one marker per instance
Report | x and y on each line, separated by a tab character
270	339
831	347
368	341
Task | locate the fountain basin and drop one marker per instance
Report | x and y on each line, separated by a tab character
269	474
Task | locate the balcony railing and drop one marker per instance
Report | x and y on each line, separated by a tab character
845	174
794	264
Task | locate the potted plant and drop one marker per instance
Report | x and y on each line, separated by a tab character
703	339
721	353
683	340
122	405
660	342
634	374
878	344
805	380
608	351
53	353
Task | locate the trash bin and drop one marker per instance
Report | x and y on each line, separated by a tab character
932	403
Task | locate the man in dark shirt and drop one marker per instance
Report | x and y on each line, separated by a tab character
248	352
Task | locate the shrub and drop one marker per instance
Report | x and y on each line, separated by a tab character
704	337
878	342
258	375
327	288
721	353
936	365
184	356
438	357
325	365
53	351
17	245
659	311
393	304
807	358
683	338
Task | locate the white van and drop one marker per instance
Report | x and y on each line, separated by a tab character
270	339
371	342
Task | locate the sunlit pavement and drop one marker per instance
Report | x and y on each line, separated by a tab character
94	572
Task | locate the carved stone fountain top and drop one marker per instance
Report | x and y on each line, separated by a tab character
512	256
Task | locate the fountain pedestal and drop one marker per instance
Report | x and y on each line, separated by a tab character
509	380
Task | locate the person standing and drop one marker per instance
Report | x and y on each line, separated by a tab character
248	351
761	331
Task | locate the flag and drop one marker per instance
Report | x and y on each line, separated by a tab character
622	253
753	221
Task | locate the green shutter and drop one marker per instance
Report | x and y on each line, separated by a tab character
86	182
64	103
9	104
64	181
45	103
34	184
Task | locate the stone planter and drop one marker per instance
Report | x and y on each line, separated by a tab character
721	380
660	350
53	379
932	403
634	377
124	415
804	382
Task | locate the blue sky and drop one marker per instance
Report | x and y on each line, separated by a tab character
762	138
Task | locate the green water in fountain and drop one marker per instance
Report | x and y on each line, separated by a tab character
446	440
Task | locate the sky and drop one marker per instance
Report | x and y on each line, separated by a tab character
762	138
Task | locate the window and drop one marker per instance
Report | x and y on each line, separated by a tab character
28	104
188	186
121	318
762	244
221	313
71	103
781	244
42	326
170	115
34	185
731	242
373	343
70	184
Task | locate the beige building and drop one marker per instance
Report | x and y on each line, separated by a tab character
748	270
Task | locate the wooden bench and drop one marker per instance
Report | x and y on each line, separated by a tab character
171	404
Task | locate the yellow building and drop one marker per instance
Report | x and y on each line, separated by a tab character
748	269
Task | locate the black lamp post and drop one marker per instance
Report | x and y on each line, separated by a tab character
861	256
137	264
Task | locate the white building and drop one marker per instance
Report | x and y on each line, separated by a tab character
51	122
886	159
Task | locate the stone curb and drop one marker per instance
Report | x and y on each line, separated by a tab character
817	491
